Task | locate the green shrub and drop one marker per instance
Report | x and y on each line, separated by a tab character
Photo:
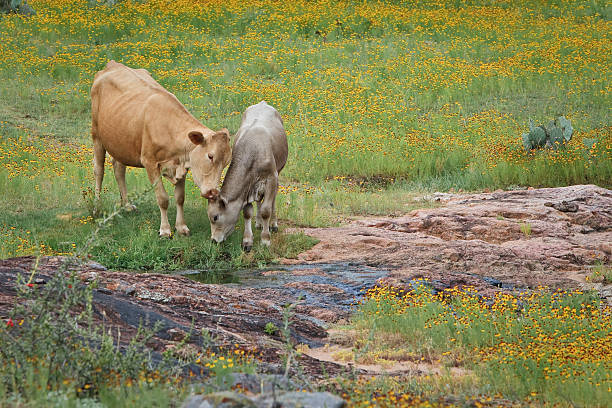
270	328
50	342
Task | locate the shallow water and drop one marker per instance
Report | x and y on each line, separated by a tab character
319	285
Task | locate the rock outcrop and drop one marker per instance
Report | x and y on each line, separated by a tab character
506	239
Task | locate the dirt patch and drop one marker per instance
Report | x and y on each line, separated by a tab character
332	354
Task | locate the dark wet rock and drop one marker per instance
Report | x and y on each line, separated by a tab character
564	206
104	290
232	314
96	266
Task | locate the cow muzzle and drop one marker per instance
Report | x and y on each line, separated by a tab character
210	194
217	238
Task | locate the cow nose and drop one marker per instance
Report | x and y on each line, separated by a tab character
213	193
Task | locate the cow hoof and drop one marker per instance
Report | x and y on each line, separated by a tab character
247	248
265	243
183	230
274	228
165	233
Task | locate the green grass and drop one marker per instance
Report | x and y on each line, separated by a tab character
131	242
550	347
601	274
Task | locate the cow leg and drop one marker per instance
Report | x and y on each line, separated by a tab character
119	169
274	221
247	237
267	208
179	195
162	198
258	221
98	162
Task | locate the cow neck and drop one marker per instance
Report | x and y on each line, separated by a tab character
239	179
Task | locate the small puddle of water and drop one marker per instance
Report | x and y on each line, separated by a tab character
320	285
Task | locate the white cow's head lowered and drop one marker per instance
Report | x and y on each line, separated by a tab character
223	216
210	156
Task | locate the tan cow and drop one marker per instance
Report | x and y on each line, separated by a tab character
140	124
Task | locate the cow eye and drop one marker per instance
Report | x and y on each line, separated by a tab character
215	218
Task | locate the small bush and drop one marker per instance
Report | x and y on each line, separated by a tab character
526	229
601	274
50	342
270	328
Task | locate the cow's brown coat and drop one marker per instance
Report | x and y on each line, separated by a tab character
140	124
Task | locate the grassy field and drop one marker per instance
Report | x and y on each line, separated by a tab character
381	101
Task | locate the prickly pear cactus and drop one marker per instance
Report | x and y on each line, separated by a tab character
16	6
566	127
555	134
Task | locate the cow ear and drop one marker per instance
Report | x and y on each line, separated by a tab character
222	201
226	133
196	137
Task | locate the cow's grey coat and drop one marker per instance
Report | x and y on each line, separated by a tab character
259	154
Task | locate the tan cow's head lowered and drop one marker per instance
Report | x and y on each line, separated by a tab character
210	156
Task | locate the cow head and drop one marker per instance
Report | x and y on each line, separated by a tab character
223	216
210	156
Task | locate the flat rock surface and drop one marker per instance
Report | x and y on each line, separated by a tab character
507	240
